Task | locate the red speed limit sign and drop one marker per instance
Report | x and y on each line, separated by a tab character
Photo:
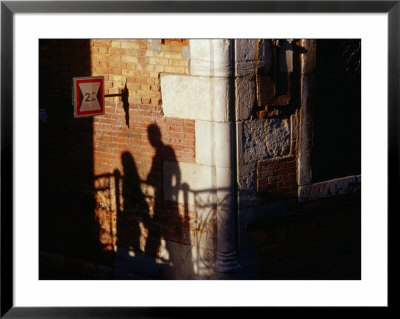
88	96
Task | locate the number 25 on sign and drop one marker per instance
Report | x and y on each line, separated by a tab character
88	95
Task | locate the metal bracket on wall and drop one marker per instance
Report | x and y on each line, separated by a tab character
113	95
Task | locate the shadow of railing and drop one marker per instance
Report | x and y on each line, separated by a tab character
106	210
198	208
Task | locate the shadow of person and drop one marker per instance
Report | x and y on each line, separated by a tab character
134	206
167	223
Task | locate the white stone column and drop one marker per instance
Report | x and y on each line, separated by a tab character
206	96
215	59
227	257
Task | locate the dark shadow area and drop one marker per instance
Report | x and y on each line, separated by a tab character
166	222
135	208
318	240
151	239
133	216
279	89
281	68
134	236
144	219
66	203
336	150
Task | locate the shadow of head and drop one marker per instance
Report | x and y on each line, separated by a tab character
154	135
128	164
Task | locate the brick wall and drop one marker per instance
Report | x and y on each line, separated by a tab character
136	65
118	155
277	178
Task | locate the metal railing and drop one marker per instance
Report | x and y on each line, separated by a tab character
199	209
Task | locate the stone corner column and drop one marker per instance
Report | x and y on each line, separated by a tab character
206	95
306	120
227	259
215	59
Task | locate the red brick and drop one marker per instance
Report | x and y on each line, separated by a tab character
188	136
156	101
174	121
101	43
188	129
146	100
116	51
176	128
165	47
176	41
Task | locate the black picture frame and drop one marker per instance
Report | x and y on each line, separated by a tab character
9	8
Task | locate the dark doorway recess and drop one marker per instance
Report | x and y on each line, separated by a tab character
336	150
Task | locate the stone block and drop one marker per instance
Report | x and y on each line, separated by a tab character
210	57
329	188
213	147
245	97
265	138
198	98
204	134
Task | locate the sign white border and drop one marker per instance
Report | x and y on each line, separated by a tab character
370	291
